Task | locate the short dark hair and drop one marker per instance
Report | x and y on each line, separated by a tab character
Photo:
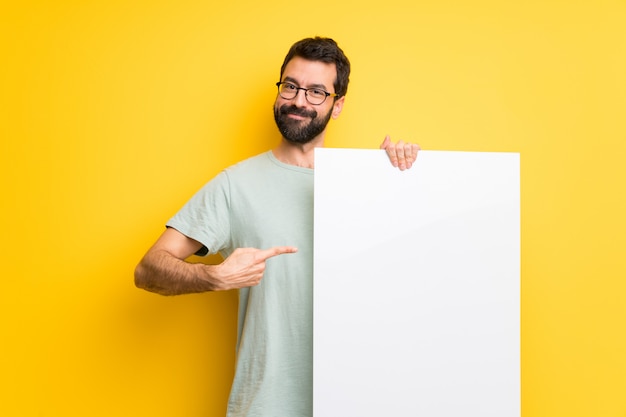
324	50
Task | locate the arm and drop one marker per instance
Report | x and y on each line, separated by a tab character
402	155
163	269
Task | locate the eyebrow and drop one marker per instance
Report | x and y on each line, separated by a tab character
293	81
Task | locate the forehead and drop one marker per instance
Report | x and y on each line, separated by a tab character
310	73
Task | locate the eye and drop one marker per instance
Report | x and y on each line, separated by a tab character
317	92
289	87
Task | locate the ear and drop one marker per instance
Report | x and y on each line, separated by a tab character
338	106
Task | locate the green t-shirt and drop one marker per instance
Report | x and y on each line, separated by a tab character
262	202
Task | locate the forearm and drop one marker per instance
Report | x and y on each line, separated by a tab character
164	274
163	269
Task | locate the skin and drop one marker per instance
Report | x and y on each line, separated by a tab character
163	268
307	74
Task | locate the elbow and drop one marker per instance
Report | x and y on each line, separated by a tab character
141	277
146	280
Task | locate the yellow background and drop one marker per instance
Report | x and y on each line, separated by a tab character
113	113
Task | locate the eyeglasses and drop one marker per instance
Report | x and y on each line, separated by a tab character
315	96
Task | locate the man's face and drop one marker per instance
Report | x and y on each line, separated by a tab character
298	120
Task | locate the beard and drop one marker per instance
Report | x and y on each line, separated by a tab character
299	131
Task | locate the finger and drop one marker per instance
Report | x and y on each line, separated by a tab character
410	153
385	143
390	148
275	251
400	152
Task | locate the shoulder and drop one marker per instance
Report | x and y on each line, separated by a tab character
265	164
252	163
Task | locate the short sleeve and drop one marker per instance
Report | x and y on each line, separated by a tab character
206	216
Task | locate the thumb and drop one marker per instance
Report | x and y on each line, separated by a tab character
385	142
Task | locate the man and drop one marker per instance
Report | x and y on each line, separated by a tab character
256	210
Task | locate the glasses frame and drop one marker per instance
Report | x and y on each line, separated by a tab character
306	92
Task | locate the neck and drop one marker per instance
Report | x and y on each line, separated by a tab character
301	155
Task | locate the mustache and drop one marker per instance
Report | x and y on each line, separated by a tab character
291	109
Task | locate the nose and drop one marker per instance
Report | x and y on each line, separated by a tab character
300	98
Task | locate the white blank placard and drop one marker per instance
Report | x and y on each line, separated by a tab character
417	275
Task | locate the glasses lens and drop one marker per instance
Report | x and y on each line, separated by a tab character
287	91
316	96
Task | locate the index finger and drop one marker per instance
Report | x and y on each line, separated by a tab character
277	250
